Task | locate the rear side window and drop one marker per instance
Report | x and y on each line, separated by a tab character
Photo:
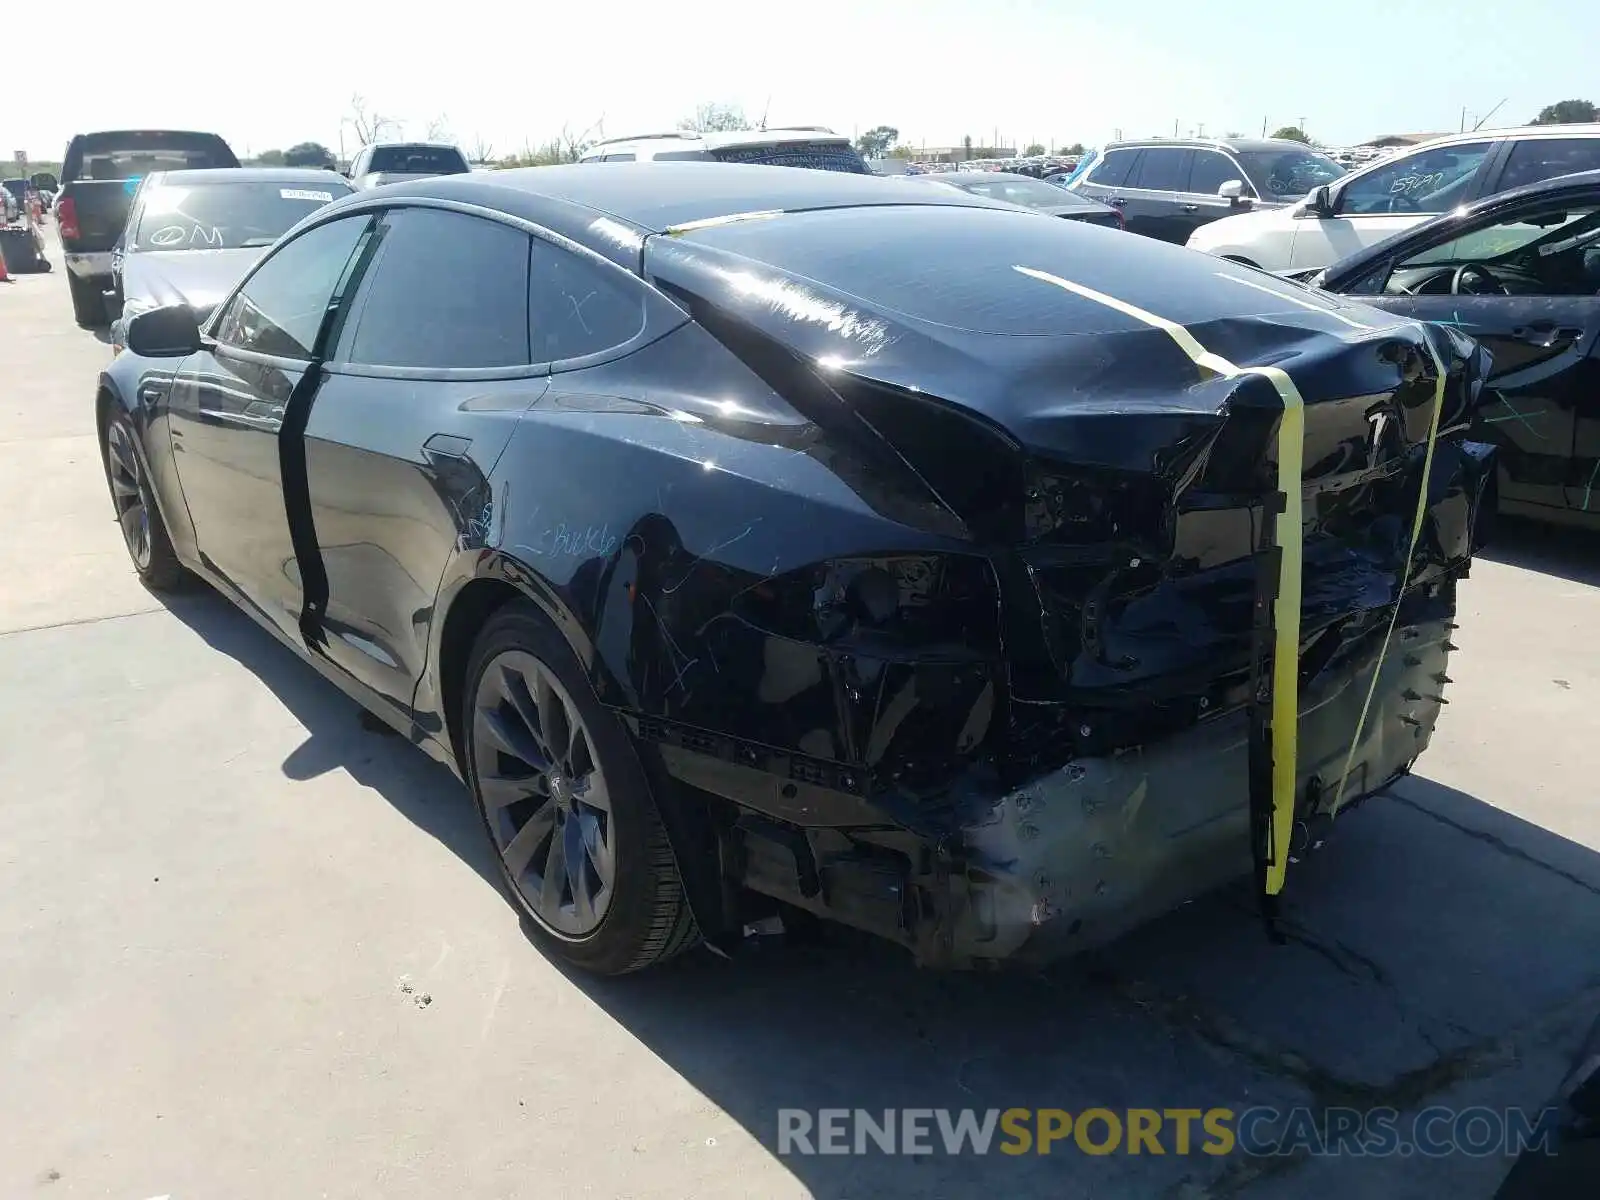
818	155
1537	159
1112	170
1164	170
577	307
445	291
281	307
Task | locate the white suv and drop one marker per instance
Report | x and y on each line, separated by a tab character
1398	192
798	146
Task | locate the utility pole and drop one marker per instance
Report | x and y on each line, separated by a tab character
1264	126
1463	118
1174	126
1200	129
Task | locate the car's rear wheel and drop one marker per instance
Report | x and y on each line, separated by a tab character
558	784
143	531
88	301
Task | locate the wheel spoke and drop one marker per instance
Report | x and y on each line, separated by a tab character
554	723
132	521
597	848
513	737
499	790
514	686
591	792
555	874
120	451
520	850
124	492
577	861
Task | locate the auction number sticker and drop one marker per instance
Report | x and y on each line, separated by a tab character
298	194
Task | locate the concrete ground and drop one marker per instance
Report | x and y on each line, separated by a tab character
250	949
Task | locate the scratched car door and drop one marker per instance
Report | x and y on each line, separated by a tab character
430	373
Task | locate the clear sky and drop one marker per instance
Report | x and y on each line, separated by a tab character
271	74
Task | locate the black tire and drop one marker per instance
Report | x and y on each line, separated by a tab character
144	533
88	301
646	918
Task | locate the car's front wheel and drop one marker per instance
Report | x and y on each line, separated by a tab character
133	501
580	844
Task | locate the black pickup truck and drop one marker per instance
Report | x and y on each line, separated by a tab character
99	175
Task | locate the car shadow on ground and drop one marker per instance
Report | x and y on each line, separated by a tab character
1429	944
1571	554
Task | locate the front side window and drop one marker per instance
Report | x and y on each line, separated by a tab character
577	307
1289	174
1546	251
1429	181
281	307
1211	170
445	291
225	216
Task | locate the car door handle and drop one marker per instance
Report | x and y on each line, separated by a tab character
1545	334
1190	207
1116	201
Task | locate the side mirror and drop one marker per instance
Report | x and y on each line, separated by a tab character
1233	192
1319	203
168	332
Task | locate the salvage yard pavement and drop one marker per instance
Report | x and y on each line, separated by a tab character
249	948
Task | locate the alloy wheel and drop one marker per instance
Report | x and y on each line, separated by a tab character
128	493
544	794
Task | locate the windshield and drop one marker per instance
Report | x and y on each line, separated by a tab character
818	155
225	216
417	160
1288	174
1035	193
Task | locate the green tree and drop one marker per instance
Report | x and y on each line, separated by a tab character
1077	148
309	154
1032	148
1293	133
875	142
270	158
966	146
1567	112
909	153
715	118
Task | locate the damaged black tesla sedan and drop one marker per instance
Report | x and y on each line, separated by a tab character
753	540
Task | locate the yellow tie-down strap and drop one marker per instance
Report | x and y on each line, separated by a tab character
1289	540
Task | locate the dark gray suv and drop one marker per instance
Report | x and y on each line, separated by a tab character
1168	188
